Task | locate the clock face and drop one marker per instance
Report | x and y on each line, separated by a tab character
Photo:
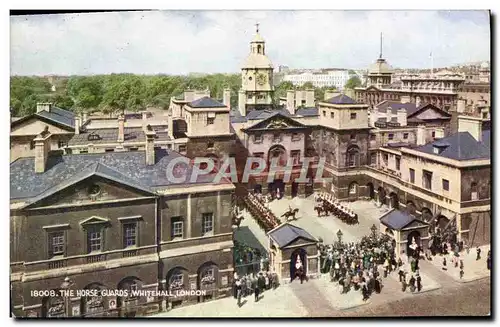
261	79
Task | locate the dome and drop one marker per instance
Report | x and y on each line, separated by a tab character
380	67
485	65
255	60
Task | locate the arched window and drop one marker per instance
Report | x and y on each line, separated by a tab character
353	188
259	49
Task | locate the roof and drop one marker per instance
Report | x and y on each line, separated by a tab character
380	67
461	146
287	233
264	114
258	38
341	99
257	60
125	167
307	112
206	102
110	135
395	106
397	220
55	115
275	120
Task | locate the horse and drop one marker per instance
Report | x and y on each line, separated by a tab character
291	213
237	221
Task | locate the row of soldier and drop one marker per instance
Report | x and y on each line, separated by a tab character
264	217
253	284
330	204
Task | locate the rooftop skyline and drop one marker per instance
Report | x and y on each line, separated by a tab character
181	42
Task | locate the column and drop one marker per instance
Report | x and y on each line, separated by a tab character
188	217
459	227
288	190
218	215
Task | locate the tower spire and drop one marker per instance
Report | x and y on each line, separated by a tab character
257	27
380	45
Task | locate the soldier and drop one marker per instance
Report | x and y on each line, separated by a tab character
412	284
419	282
444	264
461	264
401	274
403	285
478	251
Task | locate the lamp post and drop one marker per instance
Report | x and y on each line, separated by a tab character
65	286
339	236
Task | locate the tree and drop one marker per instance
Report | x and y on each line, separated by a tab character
307	86
353	82
280	90
85	91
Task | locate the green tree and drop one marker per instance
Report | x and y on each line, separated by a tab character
280	90
353	82
85	91
307	86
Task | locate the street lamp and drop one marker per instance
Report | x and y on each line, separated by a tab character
339	236
374	231
65	286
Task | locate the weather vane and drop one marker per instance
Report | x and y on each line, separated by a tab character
257	27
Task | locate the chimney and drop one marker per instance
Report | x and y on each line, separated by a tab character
189	95
418	102
77	125
85	117
473	125
405	99
43	106
421	135
42	148
290	101
310	98
226	97
150	145
121	128
242	100
461	105
401	114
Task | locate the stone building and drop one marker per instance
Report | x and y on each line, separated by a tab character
112	221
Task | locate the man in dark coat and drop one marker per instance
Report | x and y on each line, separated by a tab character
401	274
412	284
478	251
419	282
257	292
444	264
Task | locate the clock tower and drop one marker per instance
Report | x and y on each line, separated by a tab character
256	78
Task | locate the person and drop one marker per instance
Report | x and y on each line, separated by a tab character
401	274
238	290
412	284
461	264
257	292
419	282
378	285
403	285
400	262
478	251
488	260
461	273
365	292
467	249
444	264
267	281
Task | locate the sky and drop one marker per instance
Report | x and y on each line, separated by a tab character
182	42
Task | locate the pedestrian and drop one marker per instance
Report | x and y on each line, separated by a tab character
444	264
488	260
365	292
267	281
403	285
461	273
400	262
461	264
467	249
412	284
238	288
401	274
478	251
257	292
419	282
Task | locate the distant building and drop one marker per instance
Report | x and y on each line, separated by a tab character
326	78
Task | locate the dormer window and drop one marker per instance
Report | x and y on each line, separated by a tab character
439	147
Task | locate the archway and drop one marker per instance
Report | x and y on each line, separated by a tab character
176	281
257	189
54	306
208	275
413	238
411	208
381	195
94	304
426	214
394	200
277	186
371	190
298	253
277	153
129	303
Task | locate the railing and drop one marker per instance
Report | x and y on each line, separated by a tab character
130	253
57	264
96	258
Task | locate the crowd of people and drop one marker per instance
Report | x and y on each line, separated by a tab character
326	203
253	284
266	219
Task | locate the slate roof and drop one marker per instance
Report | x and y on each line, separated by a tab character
56	115
395	106
264	114
341	99
397	219
110	135
124	167
307	112
287	233
461	146
206	102
236	117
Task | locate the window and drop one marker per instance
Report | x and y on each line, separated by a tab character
210	121
177	227
32	145
257	138
485	115
295	154
182	148
433	134
373	137
353	115
295	137
391	136
210	145
446	185
84	151
56	244
134	149
277	138
332	115
386	158
398	163
94	240
412	175
129	234
473	192
353	137
250	97
62	144
405	136
427	179
353	188
324	114
351	159
207	223
261	97
110	150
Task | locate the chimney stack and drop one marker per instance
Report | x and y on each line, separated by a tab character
42	148
150	145
77	125
421	135
473	125
226	98
461	106
242	100
310	98
418	102
401	114
290	101
121	128
43	106
405	99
